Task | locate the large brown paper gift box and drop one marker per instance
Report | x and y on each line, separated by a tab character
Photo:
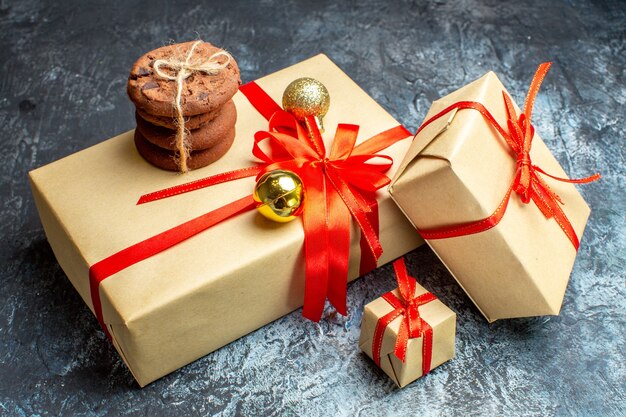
458	170
435	313
221	284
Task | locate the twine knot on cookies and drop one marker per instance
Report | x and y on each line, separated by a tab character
179	69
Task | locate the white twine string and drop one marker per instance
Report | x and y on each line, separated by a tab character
182	69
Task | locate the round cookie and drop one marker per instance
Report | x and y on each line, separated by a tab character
191	122
197	139
165	159
202	93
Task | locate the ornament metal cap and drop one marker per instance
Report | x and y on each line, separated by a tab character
307	97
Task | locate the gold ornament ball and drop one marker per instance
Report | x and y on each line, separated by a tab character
281	195
307	97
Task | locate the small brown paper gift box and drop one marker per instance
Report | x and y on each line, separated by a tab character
438	348
457	170
221	284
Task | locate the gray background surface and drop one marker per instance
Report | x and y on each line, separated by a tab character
62	88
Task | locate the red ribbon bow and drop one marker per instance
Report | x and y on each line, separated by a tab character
412	324
338	187
526	182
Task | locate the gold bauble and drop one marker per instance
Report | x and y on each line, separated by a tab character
281	195
307	97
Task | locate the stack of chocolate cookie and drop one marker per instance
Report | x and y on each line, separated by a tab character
206	104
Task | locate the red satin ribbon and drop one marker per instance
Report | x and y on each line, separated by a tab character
145	249
338	187
412	324
527	182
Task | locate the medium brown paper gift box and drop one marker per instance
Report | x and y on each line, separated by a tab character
457	170
221	284
435	313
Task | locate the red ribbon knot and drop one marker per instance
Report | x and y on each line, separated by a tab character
412	325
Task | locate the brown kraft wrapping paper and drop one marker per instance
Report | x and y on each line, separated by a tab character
435	313
457	170
221	284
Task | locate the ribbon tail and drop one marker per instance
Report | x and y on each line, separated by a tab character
566	226
584	180
369	262
338	250
156	244
427	346
543	196
316	244
535	84
358	213
402	340
550	208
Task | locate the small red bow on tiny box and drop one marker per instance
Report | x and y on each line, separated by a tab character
412	325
